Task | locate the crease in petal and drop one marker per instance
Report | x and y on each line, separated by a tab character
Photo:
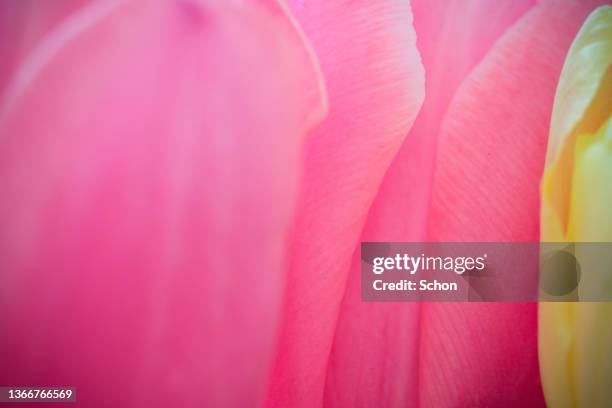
486	188
375	357
374	80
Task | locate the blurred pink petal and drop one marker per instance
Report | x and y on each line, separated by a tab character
495	132
375	84
375	359
143	233
22	24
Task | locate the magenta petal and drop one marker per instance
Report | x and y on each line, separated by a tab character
375	83
149	162
490	159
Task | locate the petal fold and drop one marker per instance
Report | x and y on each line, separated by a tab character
501	113
374	79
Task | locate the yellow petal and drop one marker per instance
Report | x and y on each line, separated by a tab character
590	218
575	339
582	105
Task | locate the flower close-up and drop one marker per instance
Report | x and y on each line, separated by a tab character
190	190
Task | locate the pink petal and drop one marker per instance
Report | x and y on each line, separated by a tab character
498	142
149	164
376	349
490	159
22	25
373	362
375	83
479	355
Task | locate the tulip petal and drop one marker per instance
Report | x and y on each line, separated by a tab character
456	34
375	359
22	25
375	82
496	195
574	338
149	171
591	220
581	106
501	113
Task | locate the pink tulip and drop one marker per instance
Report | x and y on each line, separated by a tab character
185	184
434	354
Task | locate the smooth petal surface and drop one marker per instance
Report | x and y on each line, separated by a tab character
495	132
575	338
22	25
143	234
375	359
375	83
581	106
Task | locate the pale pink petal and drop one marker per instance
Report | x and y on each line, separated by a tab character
490	159
375	83
149	169
375	356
